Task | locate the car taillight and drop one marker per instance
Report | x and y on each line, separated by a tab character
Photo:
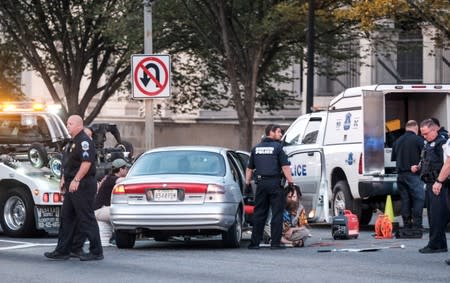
119	190
57	197
45	197
215	193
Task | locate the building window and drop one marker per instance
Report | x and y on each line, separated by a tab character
410	56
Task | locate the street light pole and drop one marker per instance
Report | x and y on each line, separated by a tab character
148	49
310	58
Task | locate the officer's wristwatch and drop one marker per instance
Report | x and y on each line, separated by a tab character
76	180
439	182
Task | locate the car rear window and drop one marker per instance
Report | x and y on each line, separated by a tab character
179	162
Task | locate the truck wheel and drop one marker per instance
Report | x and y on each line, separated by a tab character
126	147
37	155
17	218
341	197
232	237
55	165
125	240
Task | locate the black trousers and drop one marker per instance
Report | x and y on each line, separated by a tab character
269	195
78	214
439	215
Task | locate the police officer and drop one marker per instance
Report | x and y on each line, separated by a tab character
441	187
268	162
78	182
406	152
430	166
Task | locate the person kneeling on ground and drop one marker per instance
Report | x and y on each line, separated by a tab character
295	231
102	203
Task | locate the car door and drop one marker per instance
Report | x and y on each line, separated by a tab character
237	169
307	164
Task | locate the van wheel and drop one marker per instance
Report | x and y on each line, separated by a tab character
341	197
37	155
232	237
17	217
124	239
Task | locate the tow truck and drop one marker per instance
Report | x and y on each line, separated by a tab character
31	139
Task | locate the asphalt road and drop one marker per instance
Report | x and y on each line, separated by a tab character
205	260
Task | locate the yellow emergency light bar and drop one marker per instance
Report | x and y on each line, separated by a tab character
30	106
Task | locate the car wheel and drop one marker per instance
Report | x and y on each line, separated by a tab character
17	218
341	197
55	165
126	147
232	237
124	239
37	155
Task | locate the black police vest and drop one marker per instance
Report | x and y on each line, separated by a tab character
432	160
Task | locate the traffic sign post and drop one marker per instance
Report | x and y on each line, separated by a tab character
150	76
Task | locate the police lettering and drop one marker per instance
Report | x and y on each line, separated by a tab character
299	170
264	150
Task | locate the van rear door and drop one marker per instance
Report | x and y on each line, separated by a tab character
374	131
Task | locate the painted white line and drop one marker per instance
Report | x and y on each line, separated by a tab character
22	245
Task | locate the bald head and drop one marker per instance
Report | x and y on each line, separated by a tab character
74	125
412	126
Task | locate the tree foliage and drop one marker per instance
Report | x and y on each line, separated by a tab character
71	41
232	53
407	14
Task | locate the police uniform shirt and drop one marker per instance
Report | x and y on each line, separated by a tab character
80	149
446	149
267	158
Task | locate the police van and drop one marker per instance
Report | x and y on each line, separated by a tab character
341	157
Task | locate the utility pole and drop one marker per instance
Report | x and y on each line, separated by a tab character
148	49
310	58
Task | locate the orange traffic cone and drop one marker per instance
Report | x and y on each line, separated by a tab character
388	209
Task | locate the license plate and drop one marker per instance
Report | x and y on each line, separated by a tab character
48	217
165	195
48	211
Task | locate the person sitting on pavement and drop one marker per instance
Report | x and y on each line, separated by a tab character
295	231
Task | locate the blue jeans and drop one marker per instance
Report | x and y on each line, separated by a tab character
412	195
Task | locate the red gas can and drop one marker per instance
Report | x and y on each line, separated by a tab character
345	226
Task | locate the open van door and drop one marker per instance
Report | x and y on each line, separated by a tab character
374	131
307	169
305	153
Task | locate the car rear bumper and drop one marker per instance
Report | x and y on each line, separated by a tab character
174	217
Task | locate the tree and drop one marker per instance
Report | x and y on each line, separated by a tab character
232	53
10	69
69	41
406	13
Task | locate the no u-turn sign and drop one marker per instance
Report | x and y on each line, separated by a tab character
150	76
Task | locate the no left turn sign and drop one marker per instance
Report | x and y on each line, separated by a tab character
150	76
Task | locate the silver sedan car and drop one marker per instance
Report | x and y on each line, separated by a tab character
181	191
